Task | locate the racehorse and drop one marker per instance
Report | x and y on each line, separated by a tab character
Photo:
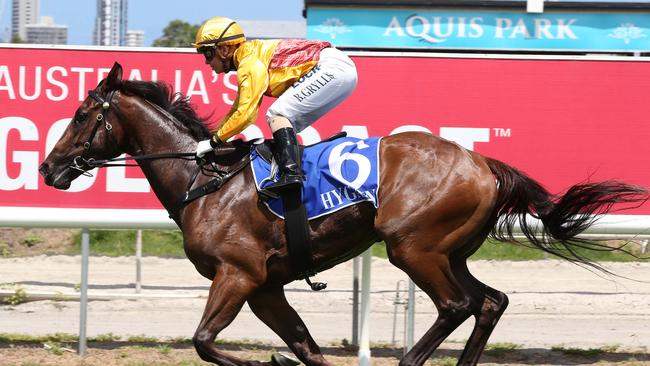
437	204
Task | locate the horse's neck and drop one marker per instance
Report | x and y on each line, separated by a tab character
152	133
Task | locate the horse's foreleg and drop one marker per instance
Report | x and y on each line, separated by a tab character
270	305
228	292
492	304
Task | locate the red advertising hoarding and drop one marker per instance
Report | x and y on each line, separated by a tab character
562	121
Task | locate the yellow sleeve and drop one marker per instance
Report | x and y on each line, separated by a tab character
252	80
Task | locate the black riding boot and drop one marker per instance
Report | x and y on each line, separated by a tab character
287	155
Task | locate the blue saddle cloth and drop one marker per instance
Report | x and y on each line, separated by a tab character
338	173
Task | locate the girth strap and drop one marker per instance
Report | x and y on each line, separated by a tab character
297	231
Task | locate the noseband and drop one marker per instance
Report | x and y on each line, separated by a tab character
80	162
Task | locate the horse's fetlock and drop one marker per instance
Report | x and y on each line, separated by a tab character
201	350
406	361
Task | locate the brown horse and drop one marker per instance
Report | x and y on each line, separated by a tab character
438	203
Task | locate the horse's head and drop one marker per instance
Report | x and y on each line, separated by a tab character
90	136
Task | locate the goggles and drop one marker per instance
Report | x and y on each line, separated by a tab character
208	52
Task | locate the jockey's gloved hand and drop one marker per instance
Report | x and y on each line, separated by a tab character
205	146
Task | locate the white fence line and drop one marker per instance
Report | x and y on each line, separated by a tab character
608	226
92	218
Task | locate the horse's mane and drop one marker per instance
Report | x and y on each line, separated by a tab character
176	104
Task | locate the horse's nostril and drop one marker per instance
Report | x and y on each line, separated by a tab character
44	169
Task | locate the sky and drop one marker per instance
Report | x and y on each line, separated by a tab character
153	15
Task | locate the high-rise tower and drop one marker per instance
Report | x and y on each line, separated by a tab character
110	23
23	12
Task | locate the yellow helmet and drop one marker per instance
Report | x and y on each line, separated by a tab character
219	31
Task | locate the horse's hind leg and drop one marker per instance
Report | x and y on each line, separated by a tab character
491	304
270	305
431	272
457	295
228	292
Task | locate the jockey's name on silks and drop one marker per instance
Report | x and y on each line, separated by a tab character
338	173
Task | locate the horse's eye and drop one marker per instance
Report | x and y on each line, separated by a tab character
80	117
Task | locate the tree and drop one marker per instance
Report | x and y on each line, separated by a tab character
16	39
177	34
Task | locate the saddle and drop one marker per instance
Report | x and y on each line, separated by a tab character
265	149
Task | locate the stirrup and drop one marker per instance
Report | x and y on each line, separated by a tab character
268	195
285	183
316	286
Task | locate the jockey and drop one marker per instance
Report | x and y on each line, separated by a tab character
308	78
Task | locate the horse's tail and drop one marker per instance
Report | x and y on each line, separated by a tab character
563	217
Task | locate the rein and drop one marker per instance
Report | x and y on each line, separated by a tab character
205	166
109	162
80	162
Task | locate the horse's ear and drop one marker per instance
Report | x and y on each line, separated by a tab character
114	77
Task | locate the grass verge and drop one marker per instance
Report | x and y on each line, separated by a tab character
168	243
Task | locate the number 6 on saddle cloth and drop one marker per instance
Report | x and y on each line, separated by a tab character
338	173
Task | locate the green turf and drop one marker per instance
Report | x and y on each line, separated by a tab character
168	243
161	243
494	250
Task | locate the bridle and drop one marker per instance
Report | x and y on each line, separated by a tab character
80	162
206	166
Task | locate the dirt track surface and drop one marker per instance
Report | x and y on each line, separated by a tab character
186	356
552	304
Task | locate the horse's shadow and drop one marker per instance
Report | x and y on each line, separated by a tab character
537	356
521	356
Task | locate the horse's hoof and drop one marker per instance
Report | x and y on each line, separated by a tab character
283	359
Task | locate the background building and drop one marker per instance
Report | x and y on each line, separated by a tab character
23	12
134	38
110	23
46	32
